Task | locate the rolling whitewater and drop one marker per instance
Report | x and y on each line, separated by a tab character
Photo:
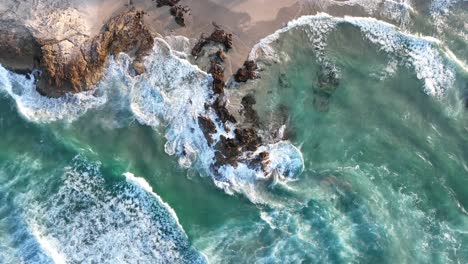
360	129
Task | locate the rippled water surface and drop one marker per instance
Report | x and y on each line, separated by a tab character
384	152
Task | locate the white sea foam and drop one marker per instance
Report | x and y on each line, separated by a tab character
171	96
41	109
425	55
144	185
77	223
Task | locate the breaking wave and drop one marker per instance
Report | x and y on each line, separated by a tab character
172	94
41	109
75	224
431	61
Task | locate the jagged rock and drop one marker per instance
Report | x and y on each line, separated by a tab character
161	3
219	106
217	71
247	72
178	12
73	67
219	36
227	151
221	56
261	161
139	67
248	138
248	111
208	128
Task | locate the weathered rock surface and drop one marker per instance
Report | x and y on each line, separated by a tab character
69	66
218	36
19	49
247	72
63	45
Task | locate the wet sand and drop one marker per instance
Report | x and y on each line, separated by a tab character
248	20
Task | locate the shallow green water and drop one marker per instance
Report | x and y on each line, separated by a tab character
385	177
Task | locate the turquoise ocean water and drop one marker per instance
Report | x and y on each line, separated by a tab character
384	151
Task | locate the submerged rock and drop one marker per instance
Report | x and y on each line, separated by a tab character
217	71
247	72
248	111
328	82
178	12
208	128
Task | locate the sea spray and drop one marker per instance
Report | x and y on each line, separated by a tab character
128	213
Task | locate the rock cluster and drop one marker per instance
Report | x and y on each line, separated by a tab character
246	137
176	10
248	71
218	36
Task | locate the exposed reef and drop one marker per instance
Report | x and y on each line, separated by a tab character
248	71
176	10
218	36
243	143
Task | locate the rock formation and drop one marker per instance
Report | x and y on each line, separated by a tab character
247	72
71	61
72	67
20	50
176	10
218	36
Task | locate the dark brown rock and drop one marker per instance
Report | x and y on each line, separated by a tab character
227	151
248	111
219	36
178	12
160	3
217	71
248	138
222	112
261	161
208	128
247	72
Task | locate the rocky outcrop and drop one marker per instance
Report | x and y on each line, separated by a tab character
246	137
218	36
247	72
19	49
176	10
68	66
71	61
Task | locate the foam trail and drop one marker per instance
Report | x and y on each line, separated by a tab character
140	225
40	109
426	55
173	94
49	247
